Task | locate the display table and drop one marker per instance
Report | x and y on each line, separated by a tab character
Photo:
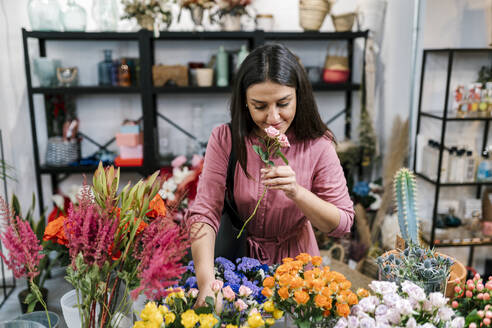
357	279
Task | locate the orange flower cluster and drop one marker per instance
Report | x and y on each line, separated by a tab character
303	283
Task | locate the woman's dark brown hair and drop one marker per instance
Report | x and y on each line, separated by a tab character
275	63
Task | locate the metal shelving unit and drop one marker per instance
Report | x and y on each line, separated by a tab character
148	93
444	116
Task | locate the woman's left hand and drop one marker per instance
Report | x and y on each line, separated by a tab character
280	178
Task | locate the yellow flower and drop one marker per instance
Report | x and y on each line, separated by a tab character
151	314
231	326
255	320
207	320
169	317
277	314
189	319
163	309
270	321
169	299
269	306
139	324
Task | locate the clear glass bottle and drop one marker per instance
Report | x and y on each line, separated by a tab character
75	17
104	68
44	15
105	13
470	165
451	164
460	166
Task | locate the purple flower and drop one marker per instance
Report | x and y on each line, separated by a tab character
367	323
246	264
191	282
190	267
381	310
231	277
413	291
224	264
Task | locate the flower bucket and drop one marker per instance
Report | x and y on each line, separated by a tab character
20	324
70	311
446	286
40	317
231	22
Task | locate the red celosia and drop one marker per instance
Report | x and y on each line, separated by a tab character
163	245
22	244
89	231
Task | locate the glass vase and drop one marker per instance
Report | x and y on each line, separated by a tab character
105	13
44	15
75	17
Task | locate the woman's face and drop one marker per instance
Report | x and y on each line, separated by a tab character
272	104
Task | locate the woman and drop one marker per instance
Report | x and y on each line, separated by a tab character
271	89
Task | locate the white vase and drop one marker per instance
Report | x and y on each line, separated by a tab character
231	22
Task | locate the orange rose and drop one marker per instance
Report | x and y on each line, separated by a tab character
301	297
327	313
283	268
309	275
345	284
269	282
352	299
327	292
317	260
341	298
343	310
55	232
338	276
318	284
157	207
267	292
296	283
304	258
361	292
287	259
285	280
283	293
320	300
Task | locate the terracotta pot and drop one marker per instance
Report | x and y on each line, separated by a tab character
458	271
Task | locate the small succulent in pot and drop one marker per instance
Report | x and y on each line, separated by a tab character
423	266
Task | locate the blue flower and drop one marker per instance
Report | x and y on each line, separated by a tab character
191	267
231	277
361	188
246	264
234	287
224	264
191	283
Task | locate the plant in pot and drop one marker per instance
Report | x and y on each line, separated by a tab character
423	266
27	298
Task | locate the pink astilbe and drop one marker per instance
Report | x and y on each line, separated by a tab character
163	245
21	242
89	231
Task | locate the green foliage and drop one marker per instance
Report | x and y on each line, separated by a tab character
405	189
485	74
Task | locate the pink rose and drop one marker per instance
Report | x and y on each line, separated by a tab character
488	314
481	314
488	285
476	277
244	291
240	305
486	321
486	296
480	296
193	293
178	161
454	304
468	294
480	287
472	325
272	132
217	286
228	293
196	160
283	141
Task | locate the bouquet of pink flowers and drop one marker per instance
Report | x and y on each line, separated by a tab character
114	239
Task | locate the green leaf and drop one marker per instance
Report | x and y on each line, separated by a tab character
31	306
257	149
16	208
472	317
210	301
271	163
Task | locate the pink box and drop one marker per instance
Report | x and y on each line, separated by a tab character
129	139
487	228
131	152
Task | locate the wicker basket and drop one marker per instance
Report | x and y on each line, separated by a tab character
62	153
312	13
343	23
336	62
162	74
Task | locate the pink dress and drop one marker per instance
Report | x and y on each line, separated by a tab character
279	229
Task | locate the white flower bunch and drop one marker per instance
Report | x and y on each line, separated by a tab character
410	308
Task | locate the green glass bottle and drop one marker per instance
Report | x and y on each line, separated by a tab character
222	68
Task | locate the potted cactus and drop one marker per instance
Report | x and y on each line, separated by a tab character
421	265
